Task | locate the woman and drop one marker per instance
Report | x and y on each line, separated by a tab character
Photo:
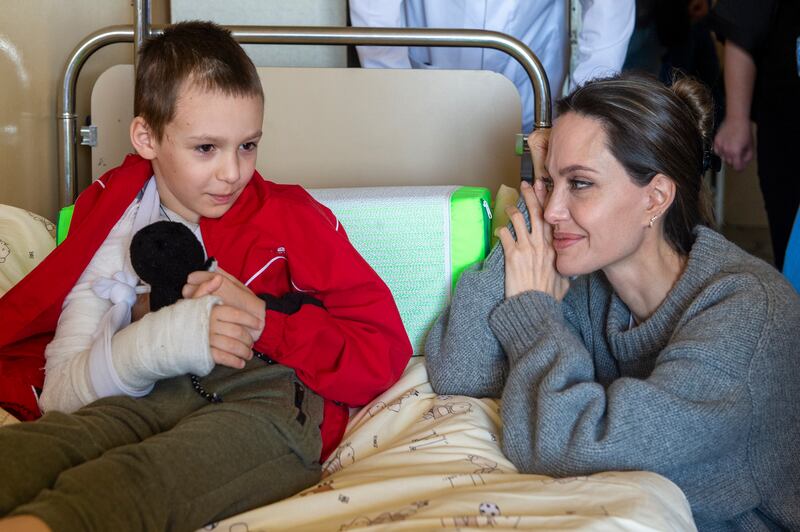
620	331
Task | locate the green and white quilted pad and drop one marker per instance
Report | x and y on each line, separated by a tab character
418	239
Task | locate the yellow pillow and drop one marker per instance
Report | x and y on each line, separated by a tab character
505	196
25	239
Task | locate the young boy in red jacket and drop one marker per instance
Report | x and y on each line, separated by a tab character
129	440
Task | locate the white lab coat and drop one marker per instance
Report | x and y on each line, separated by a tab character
541	24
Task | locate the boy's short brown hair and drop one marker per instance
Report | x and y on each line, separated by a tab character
202	53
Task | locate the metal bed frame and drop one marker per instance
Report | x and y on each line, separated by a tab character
68	136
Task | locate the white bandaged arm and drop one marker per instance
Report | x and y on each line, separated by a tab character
172	341
86	361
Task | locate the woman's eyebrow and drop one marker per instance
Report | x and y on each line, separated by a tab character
576	168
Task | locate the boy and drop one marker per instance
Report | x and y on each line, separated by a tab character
160	450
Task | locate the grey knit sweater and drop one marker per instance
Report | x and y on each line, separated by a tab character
705	392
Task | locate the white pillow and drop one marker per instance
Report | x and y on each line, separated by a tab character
25	239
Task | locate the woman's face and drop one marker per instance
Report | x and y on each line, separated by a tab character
598	214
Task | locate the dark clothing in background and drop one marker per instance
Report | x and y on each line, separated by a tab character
666	39
768	30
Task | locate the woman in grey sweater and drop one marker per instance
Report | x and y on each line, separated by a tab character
620	331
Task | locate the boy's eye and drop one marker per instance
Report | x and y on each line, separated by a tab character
249	146
204	148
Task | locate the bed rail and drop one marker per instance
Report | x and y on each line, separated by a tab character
141	29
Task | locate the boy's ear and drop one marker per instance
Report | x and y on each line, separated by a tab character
661	194
142	138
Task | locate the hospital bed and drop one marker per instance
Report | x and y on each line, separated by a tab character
412	183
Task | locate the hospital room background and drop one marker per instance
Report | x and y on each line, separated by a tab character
438	454
37	36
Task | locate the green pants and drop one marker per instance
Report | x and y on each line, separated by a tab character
168	461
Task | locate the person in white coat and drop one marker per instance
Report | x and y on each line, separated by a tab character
542	25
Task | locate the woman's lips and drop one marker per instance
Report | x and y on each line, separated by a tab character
565	240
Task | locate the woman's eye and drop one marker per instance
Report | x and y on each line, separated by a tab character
205	148
249	146
579	184
548	183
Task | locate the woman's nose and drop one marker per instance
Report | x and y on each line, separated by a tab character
555	208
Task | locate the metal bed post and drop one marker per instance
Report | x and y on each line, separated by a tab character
142	22
67	130
283	35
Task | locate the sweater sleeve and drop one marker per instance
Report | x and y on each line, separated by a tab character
345	340
694	405
462	355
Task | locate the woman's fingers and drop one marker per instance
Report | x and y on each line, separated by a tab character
506	239
540	231
538	142
540	192
518	223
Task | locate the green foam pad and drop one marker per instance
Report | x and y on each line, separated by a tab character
62	224
418	239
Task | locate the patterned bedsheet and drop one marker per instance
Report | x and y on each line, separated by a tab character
414	460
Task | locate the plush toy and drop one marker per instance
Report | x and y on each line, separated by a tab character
163	254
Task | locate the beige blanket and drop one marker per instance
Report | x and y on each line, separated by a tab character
413	460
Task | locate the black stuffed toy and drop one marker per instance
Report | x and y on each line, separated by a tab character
163	254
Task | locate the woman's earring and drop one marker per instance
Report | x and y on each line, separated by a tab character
653	219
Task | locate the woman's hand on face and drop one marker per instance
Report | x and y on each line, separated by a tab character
530	260
538	142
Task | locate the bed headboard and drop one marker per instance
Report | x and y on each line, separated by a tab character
332	127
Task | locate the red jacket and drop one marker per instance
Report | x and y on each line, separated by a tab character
277	240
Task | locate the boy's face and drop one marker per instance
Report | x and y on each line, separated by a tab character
207	153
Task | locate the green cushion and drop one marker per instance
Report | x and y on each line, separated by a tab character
62	224
470	225
418	239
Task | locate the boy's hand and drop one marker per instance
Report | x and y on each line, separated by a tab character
141	307
232	292
229	335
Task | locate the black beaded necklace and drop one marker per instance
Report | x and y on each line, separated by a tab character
213	397
210	397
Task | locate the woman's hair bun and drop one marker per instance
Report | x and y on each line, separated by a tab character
697	98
